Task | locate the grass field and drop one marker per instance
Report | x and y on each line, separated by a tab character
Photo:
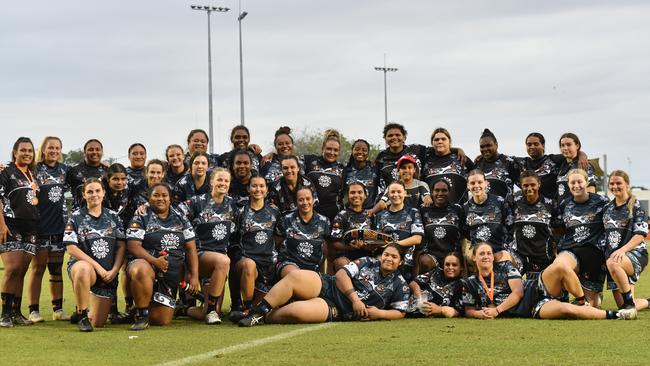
405	342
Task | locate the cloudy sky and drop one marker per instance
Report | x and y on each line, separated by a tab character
137	71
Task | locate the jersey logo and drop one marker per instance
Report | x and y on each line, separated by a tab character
324	181
483	233
581	234
439	232
99	248
560	190
261	237
614	238
528	231
169	241
219	231
305	249
55	194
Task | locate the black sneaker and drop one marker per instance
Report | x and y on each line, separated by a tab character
84	324
6	322
251	320
141	323
121	318
74	318
236	315
19	319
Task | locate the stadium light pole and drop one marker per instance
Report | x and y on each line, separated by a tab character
208	10
241	17
385	70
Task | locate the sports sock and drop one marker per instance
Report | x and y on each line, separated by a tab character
129	301
142	312
248	304
628	300
33	307
212	303
263	307
57	304
610	314
17	304
7	303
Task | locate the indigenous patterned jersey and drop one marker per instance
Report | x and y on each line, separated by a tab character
134	176
238	191
533	227
303	241
272	170
169	234
442	228
18	193
256	230
490	221
227	158
186	189
500	174
285	199
401	224
375	289
95	236
438	289
546	169
76	177
621	224
474	293
563	178
173	178
387	163
328	182
449	168
583	222
51	200
415	193
347	220
213	223
213	160
120	202
367	175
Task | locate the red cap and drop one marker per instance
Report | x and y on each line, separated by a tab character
406	159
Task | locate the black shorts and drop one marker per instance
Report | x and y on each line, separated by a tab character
532	267
265	272
591	266
22	236
532	301
353	254
340	306
639	259
165	285
51	243
99	288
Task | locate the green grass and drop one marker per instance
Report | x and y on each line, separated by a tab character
406	342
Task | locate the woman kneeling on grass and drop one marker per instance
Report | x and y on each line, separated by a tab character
497	290
94	237
365	289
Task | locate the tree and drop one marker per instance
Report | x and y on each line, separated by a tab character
73	157
310	142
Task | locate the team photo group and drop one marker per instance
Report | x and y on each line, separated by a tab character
418	231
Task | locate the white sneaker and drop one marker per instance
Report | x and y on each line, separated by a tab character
60	315
212	318
36	317
627	314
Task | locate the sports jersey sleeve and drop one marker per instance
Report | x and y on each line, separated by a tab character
327	230
187	208
179	191
282	225
639	220
512	272
70	233
120	234
338	226
188	230
470	297
355	266
136	229
400	297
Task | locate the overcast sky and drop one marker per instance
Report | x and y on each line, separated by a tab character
127	71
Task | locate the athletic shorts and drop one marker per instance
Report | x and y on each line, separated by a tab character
22	236
51	243
265	273
591	266
165	285
532	301
99	288
340	306
533	267
200	252
639	259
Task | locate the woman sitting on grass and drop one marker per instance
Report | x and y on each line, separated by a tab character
437	293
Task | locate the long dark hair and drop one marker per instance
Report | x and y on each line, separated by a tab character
14	150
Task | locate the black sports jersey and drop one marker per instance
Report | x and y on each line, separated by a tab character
18	194
442	228
226	159
387	163
134	176
256	230
328	182
213	223
546	169
272	170
449	168
583	222
401	224
173	178
533	227
475	294
213	160
347	220
563	191
285	199
375	289
186	189
51	200
76	177
367	175
440	290
415	193
95	236
621	224
303	241
156	234
490	221
120	202
238	192
500	174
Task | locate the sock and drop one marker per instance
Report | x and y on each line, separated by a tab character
263	307
129	301
142	312
248	304
7	303
648	300
212	303
17	304
83	313
628	300
610	314
33	307
57	304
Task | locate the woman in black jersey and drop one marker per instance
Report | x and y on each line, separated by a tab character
214	218
155	173
176	167
137	157
488	217
441	162
395	137
352	217
570	147
91	167
51	177
160	243
282	192
535	219
581	246
500	170
442	227
304	233
196	182
94	237
240	138
197	141
437	293
283	143
254	254
326	173
626	226
360	169
18	228
240	169
366	289
117	192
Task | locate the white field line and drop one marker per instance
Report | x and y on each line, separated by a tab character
242	346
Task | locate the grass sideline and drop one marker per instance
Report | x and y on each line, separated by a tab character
422	341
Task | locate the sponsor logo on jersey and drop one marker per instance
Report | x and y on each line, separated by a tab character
528	231
305	249
219	231
55	194
99	248
169	241
261	237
